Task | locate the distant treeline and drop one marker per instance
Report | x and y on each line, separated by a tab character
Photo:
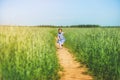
71	26
78	26
83	26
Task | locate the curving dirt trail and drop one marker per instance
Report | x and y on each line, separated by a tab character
72	70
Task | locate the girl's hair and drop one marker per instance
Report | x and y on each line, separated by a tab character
60	29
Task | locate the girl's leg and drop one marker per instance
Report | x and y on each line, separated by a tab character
60	45
62	42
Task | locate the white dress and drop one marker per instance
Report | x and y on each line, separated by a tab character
61	38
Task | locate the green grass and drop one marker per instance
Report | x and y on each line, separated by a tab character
98	48
27	53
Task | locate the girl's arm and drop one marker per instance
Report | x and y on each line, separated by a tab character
58	37
63	33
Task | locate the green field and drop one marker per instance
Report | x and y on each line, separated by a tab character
98	48
29	53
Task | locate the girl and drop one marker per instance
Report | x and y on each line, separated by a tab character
61	38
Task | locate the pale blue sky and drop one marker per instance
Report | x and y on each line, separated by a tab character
59	12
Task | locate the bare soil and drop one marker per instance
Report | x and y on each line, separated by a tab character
71	69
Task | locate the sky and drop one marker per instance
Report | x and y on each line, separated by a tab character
60	12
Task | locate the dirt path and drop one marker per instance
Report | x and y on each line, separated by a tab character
72	70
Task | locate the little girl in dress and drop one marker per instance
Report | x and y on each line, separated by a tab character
61	38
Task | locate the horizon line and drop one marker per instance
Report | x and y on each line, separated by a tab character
62	25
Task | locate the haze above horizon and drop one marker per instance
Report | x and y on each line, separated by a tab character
60	12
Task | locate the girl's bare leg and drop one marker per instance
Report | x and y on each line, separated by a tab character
60	45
